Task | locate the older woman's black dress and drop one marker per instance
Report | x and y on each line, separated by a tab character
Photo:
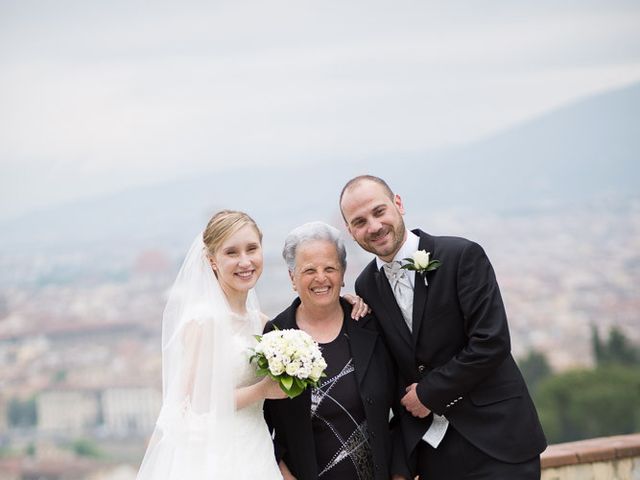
338	418
330	432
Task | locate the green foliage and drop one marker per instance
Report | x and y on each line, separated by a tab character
86	448
616	350
5	451
583	404
22	413
535	368
60	376
30	450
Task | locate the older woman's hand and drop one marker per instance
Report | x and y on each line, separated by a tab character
360	308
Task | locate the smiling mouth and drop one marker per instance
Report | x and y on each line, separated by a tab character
320	290
378	238
245	275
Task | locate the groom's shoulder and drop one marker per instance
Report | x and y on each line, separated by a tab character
457	243
368	271
366	279
445	242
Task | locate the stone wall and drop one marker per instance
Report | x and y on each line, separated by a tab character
607	458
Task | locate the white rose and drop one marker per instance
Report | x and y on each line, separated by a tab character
316	371
293	367
421	259
276	367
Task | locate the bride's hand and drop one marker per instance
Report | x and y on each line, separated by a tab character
271	389
360	309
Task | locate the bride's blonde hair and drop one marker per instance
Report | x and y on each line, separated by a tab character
224	224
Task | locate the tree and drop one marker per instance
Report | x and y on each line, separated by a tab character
30	450
590	403
616	350
22	413
60	376
597	346
621	350
535	368
86	448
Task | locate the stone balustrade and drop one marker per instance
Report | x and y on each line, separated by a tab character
606	458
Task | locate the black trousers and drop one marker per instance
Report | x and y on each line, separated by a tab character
457	459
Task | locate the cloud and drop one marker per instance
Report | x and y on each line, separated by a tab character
119	93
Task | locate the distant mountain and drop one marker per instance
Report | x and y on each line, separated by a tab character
582	152
578	153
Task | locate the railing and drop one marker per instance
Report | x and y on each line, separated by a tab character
606	458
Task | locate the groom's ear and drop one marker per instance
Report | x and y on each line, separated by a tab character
397	201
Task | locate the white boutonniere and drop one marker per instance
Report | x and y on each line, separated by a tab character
420	262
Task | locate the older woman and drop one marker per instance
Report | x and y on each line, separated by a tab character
340	429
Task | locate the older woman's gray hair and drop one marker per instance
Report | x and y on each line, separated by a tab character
310	232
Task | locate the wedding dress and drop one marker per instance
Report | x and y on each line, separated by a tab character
199	434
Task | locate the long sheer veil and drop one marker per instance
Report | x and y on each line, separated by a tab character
191	437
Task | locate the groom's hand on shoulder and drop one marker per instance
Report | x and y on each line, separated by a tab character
360	308
413	404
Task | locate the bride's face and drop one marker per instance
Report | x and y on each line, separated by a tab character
238	261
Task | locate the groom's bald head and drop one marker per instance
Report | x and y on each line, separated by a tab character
354	182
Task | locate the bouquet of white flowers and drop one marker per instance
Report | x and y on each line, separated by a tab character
290	357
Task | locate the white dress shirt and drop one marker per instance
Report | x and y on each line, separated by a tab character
434	435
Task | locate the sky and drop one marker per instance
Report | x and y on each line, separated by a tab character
100	96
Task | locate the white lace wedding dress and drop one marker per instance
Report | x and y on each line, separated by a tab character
253	446
192	442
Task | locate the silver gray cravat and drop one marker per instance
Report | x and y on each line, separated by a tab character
402	289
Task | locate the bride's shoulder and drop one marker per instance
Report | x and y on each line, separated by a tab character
264	318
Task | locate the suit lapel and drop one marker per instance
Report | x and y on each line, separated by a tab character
420	290
362	342
392	311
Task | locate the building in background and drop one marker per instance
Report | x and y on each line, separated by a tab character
130	411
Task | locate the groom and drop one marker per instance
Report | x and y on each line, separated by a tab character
468	411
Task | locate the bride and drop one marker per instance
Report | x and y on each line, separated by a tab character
211	424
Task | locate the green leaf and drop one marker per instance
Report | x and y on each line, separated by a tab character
286	382
258	337
433	265
295	391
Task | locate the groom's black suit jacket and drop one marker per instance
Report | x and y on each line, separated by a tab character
290	419
458	352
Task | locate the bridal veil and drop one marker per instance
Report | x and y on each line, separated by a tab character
191	437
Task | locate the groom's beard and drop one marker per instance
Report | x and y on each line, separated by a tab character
391	246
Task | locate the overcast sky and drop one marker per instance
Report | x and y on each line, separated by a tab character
96	96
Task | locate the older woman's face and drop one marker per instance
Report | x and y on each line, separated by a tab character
318	274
